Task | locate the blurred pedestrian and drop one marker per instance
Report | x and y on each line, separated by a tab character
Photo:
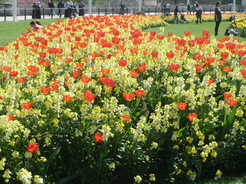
122	8
199	15
217	17
81	9
60	7
36	13
176	18
51	6
188	9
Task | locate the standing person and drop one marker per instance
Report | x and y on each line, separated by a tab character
217	17
176	18
38	10
36	13
168	6
60	6
122	8
188	9
199	15
68	9
81	9
51	6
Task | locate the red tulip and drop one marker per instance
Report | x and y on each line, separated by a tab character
231	102
227	95
182	105
134	73
67	98
243	72
45	90
128	96
191	116
85	79
11	117
98	137
122	62
126	118
89	96
198	67
174	67
27	105
32	148
105	71
139	93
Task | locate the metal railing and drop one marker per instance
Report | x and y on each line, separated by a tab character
45	13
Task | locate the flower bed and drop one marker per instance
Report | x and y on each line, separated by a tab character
95	99
240	24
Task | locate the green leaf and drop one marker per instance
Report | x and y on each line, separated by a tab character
180	131
67	179
52	156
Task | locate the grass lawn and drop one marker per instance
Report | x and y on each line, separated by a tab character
195	29
11	30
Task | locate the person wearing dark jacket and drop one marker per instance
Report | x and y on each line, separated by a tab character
176	18
60	6
36	13
199	15
217	17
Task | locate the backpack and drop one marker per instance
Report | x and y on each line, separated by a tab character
227	33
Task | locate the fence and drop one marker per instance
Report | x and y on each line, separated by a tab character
26	13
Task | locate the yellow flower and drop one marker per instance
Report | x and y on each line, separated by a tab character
239	112
193	150
214	153
2	163
7	174
55	122
112	166
192	174
24	176
15	154
38	180
28	154
151	177
42	159
137	179
147	158
154	145
200	143
218	174
189	139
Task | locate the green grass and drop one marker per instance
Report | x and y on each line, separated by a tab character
11	30
195	29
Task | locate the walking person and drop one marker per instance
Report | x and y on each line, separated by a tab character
217	17
176	18
60	6
51	6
